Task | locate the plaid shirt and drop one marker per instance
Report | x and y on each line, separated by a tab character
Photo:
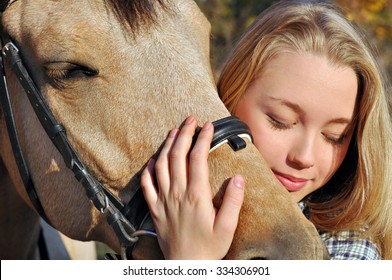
348	245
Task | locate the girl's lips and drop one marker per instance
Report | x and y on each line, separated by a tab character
291	183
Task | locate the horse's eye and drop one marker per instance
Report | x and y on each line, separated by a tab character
62	72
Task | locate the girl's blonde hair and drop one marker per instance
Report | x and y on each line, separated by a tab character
360	194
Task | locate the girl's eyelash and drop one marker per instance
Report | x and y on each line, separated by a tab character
277	124
334	140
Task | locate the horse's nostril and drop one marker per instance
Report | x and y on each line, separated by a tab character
258	258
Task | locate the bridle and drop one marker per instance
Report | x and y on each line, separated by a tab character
129	221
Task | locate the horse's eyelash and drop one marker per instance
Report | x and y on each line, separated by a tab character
57	78
57	74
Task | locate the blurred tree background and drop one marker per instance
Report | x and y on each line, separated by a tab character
230	18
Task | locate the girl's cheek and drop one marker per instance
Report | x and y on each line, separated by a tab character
271	147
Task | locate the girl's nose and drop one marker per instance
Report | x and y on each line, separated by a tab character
302	154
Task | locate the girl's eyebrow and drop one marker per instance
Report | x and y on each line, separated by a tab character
294	106
340	121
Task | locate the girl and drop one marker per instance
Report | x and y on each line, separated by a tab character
306	83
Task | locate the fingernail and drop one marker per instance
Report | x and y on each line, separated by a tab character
189	120
239	181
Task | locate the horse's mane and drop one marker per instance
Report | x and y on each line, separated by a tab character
135	13
132	13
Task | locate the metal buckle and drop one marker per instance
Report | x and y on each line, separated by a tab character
104	209
7	47
142	232
135	235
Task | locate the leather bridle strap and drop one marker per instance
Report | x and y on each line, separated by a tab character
230	130
14	139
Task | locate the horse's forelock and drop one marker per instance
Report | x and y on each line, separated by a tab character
135	13
130	12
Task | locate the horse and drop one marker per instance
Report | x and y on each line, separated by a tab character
116	76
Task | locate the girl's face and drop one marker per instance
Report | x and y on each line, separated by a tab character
300	110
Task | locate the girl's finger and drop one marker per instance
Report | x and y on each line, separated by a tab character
178	158
147	184
198	165
227	218
162	168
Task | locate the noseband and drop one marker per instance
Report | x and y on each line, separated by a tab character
129	221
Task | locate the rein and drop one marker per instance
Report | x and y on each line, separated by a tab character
129	221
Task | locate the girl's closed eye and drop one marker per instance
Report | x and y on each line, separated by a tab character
279	124
335	140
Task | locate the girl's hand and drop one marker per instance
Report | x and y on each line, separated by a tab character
188	225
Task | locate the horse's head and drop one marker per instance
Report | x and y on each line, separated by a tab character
119	75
